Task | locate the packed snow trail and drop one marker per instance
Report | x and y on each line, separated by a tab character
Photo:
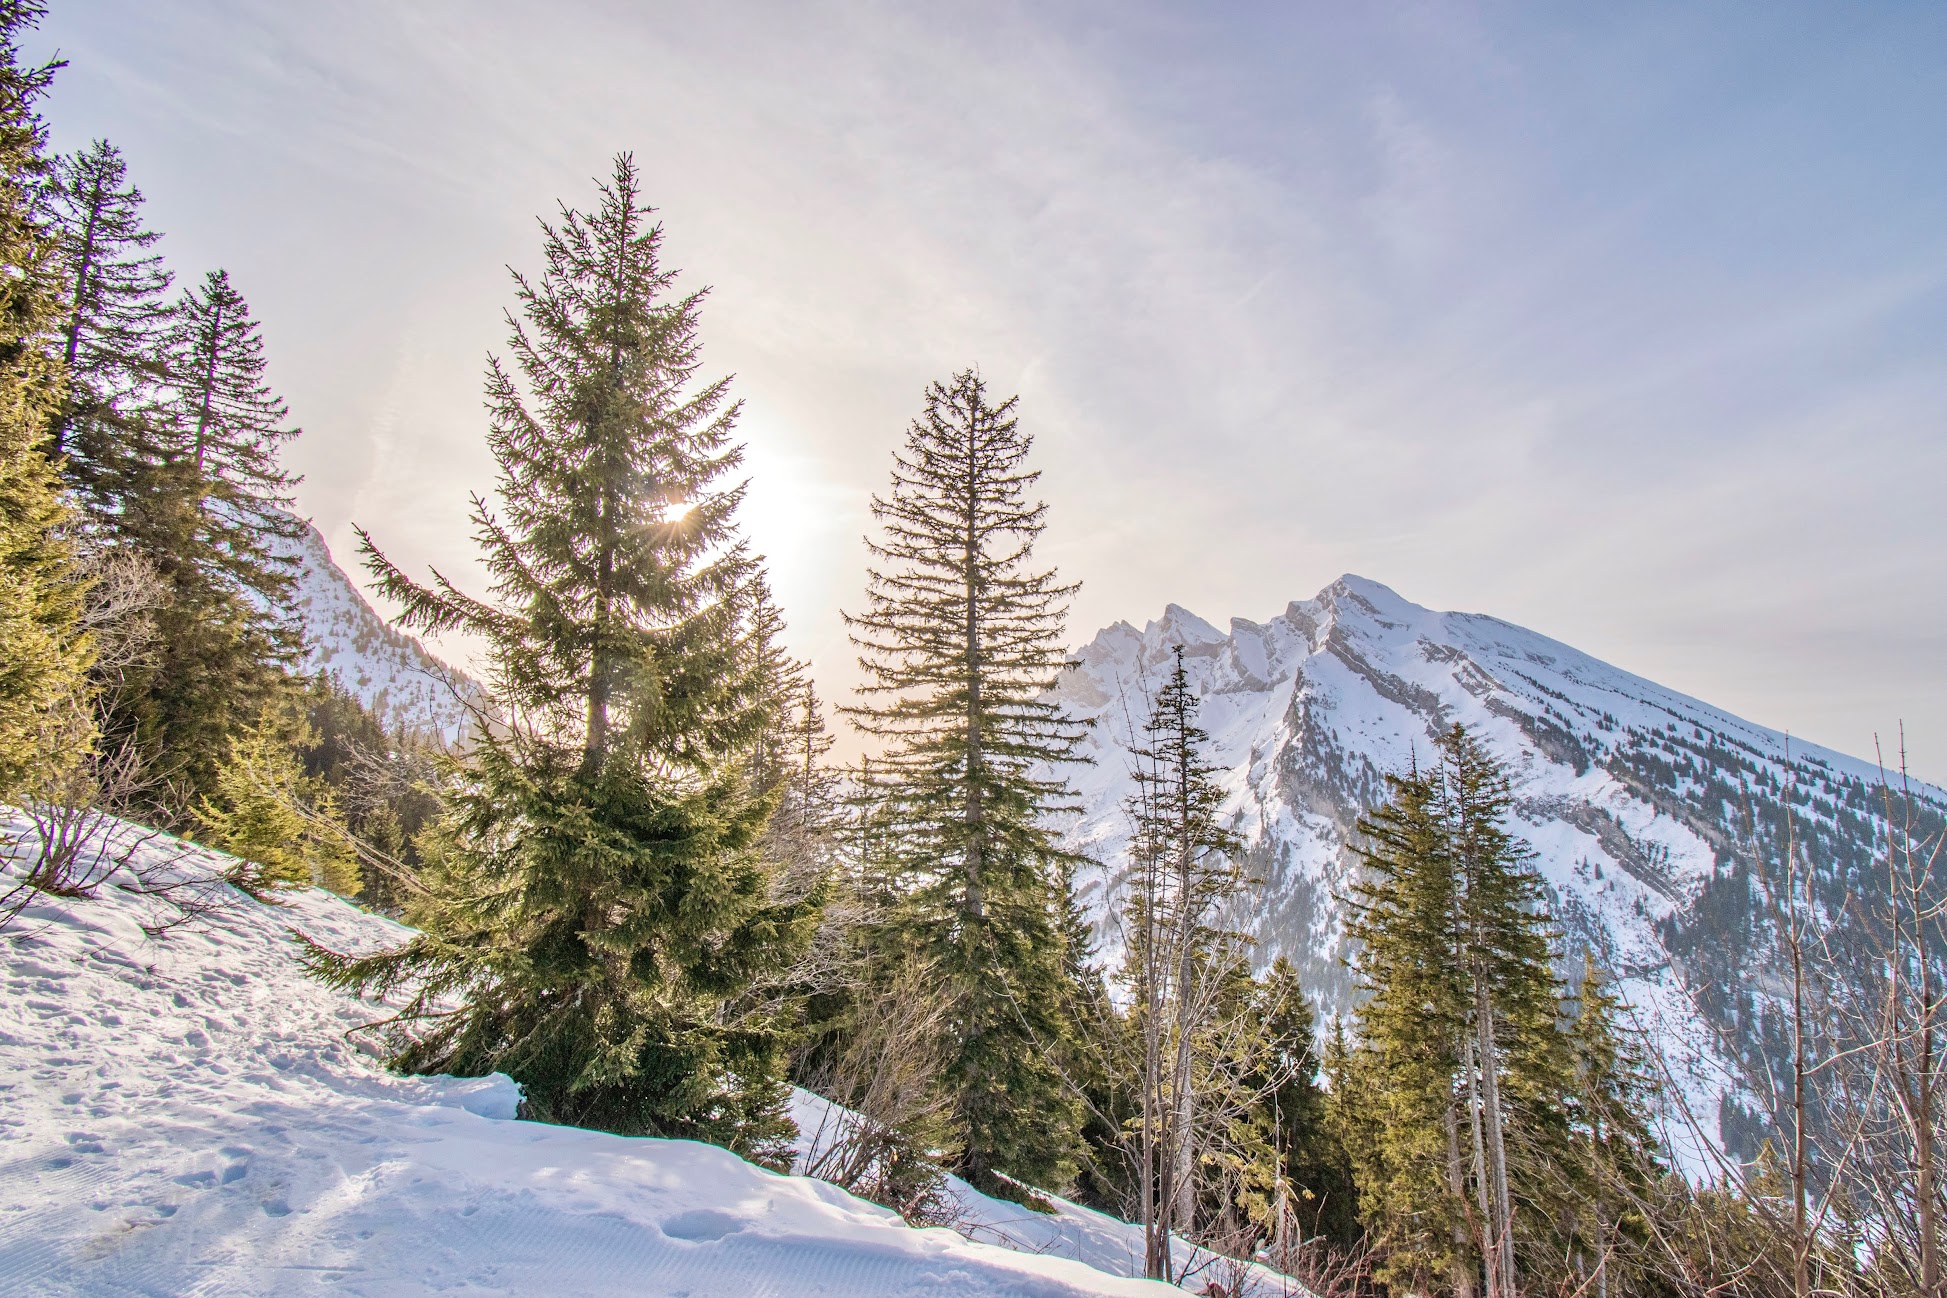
183	1116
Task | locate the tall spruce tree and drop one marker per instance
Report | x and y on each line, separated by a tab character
1313	1192
1461	1045
42	655
113	339
206	503
231	427
1517	1064
171	435
601	901
1396	1089
1605	1197
960	640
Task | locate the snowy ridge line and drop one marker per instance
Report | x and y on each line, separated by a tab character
388	670
1626	792
184	1115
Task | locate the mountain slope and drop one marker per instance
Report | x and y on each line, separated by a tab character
1639	803
389	671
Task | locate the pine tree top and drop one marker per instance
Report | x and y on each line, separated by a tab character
959	627
622	594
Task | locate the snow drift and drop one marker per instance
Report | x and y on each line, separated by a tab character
184	1114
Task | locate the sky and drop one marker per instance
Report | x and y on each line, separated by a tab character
1625	323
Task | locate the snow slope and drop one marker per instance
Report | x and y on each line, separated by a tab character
184	1115
391	672
1633	797
1071	1230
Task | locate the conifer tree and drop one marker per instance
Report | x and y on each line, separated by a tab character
599	900
1621	1162
117	317
1461	1054
231	427
1516	1063
207	506
806	825
1399	1112
42	654
1184	872
171	435
284	829
960	639
1314	1178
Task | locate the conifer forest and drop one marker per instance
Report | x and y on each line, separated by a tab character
1150	932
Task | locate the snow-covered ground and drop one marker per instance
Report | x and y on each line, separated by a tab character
184	1115
1071	1230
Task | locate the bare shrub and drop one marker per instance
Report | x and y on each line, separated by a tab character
882	1143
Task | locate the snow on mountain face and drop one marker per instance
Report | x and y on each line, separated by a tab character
389	671
185	1115
1631	795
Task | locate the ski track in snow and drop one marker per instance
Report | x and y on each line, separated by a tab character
184	1116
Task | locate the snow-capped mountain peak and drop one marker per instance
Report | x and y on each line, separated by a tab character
1632	797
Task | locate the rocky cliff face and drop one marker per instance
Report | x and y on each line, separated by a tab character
1652	816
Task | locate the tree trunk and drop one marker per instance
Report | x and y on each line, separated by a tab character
975	813
1490	1260
1927	1104
1501	1241
82	271
1463	1265
209	385
1156	1234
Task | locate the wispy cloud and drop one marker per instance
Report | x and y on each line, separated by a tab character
1553	322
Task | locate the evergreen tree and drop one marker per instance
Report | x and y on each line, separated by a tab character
42	654
1517	1064
1462	1061
1184	873
804	830
385	779
1313	1191
230	427
1399	1113
210	514
117	317
960	640
171	436
284	829
1621	1163
598	900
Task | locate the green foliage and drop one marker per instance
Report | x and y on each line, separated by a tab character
1395	1090
1606	1199
597	899
42	653
960	640
1313	1174
385	780
284	829
1185	973
1463	1082
116	320
171	437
